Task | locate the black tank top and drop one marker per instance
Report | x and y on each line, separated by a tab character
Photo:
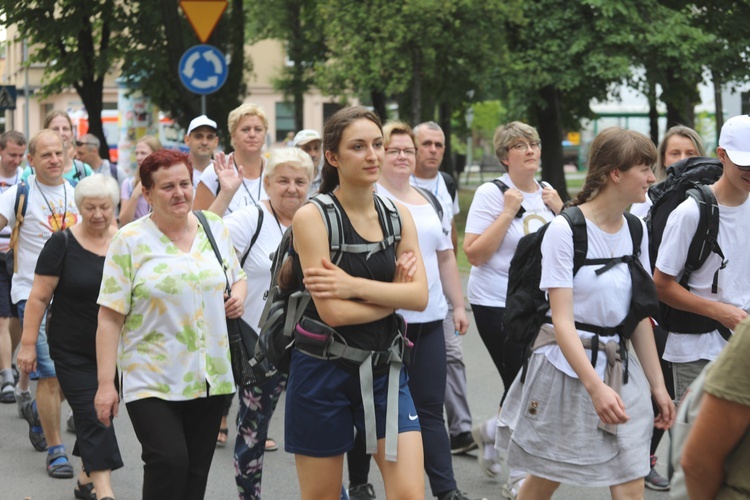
381	266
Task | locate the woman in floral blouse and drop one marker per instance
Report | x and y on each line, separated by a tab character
162	316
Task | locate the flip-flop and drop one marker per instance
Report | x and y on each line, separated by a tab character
58	469
222	432
271	445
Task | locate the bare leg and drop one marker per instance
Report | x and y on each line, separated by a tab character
6	348
320	478
102	483
15	333
403	479
632	490
537	488
49	397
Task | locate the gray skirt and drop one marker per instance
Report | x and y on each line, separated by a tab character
548	428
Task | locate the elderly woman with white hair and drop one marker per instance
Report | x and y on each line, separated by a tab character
69	269
256	232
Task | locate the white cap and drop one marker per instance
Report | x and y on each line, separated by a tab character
305	136
735	139
201	121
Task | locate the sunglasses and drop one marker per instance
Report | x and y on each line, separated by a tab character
81	143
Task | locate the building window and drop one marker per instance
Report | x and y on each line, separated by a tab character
284	120
745	103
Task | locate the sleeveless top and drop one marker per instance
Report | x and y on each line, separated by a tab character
381	266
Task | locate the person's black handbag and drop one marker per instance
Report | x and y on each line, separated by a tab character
242	337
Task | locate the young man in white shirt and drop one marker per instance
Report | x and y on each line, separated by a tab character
50	208
728	304
12	149
430	151
202	138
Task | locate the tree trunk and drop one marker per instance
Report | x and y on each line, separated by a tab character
680	95
296	50
416	90
92	95
379	104
549	123
718	101
653	111
445	124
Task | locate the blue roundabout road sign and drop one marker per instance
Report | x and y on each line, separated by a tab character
203	69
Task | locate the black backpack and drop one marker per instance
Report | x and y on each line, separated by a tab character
284	309
688	178
526	306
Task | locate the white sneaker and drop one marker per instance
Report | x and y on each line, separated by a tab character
490	466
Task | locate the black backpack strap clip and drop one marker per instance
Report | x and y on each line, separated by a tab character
503	187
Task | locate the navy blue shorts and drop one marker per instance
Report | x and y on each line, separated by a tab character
324	405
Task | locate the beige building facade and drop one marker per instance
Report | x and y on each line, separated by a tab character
268	59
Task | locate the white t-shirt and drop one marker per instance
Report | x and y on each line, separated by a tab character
49	209
488	283
602	300
641	209
250	193
242	225
734	226
437	186
431	240
5	184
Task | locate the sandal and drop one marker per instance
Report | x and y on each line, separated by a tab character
36	433
84	491
56	467
223	433
271	445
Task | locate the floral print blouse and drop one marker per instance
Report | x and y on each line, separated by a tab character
174	343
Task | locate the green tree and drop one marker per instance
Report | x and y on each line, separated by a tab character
78	42
560	58
161	34
297	23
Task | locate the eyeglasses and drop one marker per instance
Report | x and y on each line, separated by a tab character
81	143
522	147
396	151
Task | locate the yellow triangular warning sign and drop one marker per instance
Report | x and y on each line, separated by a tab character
203	15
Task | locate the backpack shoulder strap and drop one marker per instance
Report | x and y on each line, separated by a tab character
636	232
389	214
450	184
332	219
706	235
80	170
22	201
433	201
503	187
210	235
255	236
577	223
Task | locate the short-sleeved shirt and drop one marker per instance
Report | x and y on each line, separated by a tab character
437	186
48	210
141	207
71	175
242	225
5	184
729	379
734	225
72	329
432	239
250	193
602	300
488	283
174	344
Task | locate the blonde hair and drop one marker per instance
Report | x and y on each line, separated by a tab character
507	135
398	128
151	141
614	148
241	111
45	132
660	169
293	157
